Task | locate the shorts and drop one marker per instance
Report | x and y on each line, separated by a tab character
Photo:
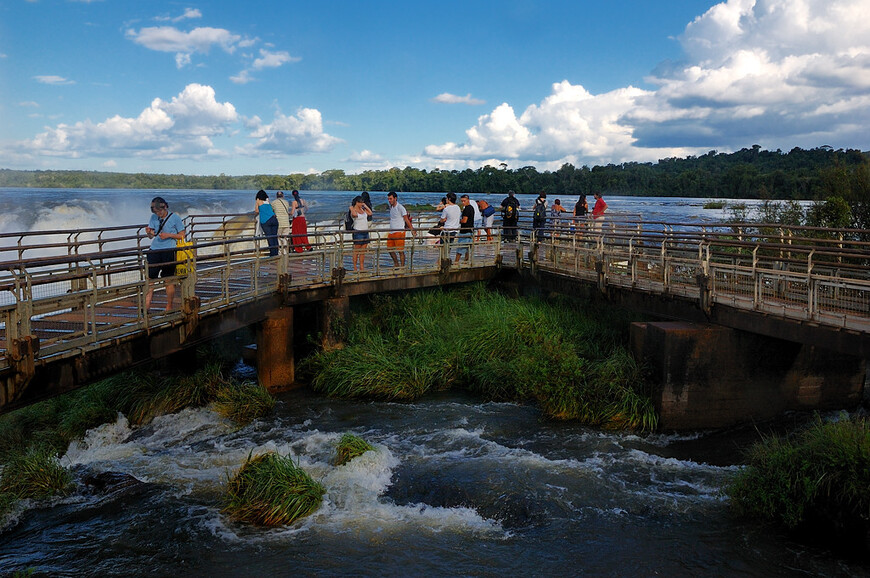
161	263
360	238
487	221
463	239
396	240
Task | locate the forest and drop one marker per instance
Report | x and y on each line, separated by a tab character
750	173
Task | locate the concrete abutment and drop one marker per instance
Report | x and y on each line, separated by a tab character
707	376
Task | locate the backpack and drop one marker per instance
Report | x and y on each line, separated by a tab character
540	213
509	213
348	221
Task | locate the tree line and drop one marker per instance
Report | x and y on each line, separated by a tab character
750	173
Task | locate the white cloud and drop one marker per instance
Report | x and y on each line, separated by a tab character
273	59
29	104
447	98
53	79
181	127
184	44
364	156
189	13
244	77
780	73
302	133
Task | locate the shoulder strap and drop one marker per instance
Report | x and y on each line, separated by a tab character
162	222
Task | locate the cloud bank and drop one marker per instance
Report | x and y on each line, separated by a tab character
183	127
772	72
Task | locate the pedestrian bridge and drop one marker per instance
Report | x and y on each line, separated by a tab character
72	303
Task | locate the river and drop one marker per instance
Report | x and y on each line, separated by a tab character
455	486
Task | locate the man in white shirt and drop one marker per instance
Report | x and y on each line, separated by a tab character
399	221
450	218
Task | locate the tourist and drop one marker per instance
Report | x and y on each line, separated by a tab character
510	216
478	217
556	214
282	213
399	221
299	224
165	229
360	213
367	200
539	215
581	211
268	221
466	229
598	212
487	211
450	217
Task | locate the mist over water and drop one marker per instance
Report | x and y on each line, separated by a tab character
54	209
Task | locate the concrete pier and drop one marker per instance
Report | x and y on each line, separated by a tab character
709	376
276	367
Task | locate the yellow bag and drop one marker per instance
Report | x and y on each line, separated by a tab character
184	253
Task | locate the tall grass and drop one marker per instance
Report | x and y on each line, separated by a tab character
819	476
350	447
34	473
572	360
271	490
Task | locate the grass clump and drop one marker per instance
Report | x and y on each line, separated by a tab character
244	402
714	205
574	363
35	474
271	490
349	447
818	477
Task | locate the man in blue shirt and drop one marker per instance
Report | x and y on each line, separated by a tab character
165	229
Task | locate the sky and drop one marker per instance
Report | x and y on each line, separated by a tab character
282	87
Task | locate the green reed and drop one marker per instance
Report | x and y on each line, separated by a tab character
560	353
271	490
819	476
350	447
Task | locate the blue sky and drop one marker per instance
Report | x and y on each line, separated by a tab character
283	87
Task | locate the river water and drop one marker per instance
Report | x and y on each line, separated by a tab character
455	486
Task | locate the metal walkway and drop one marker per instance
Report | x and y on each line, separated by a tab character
65	294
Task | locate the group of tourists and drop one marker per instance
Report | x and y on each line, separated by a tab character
284	225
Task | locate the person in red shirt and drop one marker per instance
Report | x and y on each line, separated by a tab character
598	212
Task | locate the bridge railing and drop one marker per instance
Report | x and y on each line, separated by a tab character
819	280
80	298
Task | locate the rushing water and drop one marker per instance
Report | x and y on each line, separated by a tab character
455	486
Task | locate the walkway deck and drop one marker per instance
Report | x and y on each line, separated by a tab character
65	294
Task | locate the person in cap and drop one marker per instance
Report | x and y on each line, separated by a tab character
164	229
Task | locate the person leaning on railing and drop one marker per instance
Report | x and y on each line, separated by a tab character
165	229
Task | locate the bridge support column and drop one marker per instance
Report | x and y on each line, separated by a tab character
707	375
334	317
276	368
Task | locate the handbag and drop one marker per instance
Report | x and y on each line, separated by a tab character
183	254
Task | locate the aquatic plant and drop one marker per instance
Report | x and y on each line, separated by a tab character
714	205
573	363
349	447
819	477
244	402
271	490
34	473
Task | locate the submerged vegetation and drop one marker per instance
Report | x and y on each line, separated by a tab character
818	478
573	363
350	447
271	490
